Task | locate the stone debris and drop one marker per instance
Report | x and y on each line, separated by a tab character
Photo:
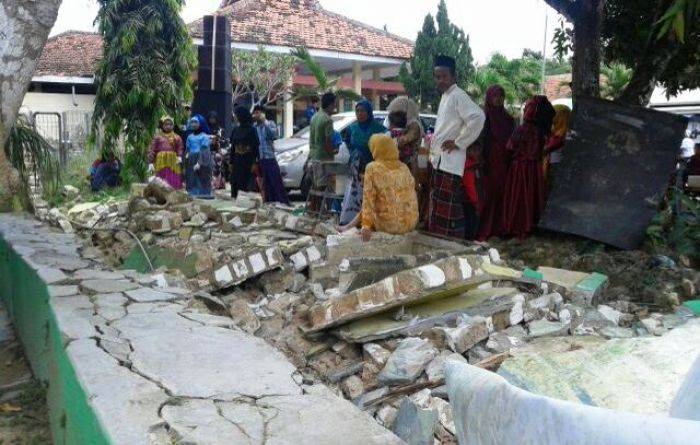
414	424
407	362
375	321
246	266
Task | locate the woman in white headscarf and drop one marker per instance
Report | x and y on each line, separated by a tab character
406	128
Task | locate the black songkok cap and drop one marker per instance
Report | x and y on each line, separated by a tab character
445	61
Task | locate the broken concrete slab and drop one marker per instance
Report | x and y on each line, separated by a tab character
469	332
447	277
494	303
115	392
246	266
107	286
546	328
50	275
415	425
306	257
407	362
189	362
297	421
62	291
203	422
147	295
639	375
93	274
74	317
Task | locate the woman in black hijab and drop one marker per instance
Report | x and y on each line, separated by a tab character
244	152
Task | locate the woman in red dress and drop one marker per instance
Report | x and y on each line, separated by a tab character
524	196
498	128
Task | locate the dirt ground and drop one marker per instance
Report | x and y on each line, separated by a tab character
24	418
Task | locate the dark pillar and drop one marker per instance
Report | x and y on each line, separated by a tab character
214	83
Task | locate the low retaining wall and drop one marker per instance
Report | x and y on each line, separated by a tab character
27	299
126	363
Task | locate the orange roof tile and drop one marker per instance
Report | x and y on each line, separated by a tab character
70	54
305	23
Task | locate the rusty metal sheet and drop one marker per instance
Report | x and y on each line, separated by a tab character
617	162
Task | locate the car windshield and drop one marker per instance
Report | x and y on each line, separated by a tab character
339	123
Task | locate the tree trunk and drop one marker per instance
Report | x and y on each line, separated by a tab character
24	28
585	75
586	17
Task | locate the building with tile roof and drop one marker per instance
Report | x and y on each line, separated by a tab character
362	55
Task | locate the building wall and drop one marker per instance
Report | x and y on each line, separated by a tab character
56	102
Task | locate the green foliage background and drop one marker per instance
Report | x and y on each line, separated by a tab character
437	37
145	73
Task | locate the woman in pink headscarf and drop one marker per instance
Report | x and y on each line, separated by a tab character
498	128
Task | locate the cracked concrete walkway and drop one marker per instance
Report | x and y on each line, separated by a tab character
154	371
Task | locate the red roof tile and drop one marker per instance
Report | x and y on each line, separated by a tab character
305	23
558	86
71	54
273	22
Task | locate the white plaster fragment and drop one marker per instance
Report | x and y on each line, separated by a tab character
466	268
223	275
257	262
432	276
291	222
240	268
271	257
299	261
314	254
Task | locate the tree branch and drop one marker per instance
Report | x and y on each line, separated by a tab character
563	7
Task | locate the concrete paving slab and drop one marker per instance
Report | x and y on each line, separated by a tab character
107	286
126	403
211	362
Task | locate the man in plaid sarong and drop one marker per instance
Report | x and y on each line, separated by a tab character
459	123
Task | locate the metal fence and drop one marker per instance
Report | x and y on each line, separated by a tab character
66	132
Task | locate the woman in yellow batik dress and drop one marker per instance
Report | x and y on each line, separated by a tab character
165	154
389	202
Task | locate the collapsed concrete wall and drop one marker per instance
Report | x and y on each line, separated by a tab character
128	362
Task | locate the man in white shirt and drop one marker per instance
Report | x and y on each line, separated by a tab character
459	124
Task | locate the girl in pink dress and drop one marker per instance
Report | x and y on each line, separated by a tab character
165	154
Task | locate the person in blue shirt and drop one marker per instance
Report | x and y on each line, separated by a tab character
199	159
311	109
359	134
272	189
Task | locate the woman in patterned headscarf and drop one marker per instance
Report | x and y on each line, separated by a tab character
165	154
389	204
523	200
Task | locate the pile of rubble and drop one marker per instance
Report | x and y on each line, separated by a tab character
375	320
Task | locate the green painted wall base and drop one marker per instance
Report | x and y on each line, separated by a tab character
27	300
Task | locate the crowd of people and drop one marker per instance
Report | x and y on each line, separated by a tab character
486	177
481	175
200	159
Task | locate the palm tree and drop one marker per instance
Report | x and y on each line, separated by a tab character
325	83
30	155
